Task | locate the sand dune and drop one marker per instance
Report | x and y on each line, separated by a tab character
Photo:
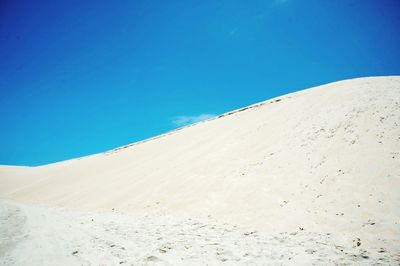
317	166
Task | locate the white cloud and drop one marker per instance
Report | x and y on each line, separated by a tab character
184	120
233	31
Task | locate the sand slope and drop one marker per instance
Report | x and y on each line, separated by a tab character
325	159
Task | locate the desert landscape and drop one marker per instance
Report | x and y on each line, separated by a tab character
307	178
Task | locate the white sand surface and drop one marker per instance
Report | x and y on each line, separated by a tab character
38	235
310	174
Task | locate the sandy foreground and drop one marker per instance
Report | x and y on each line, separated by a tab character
38	235
311	177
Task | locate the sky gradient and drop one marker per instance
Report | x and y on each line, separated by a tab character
82	77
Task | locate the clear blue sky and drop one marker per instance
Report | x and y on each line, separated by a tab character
81	77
